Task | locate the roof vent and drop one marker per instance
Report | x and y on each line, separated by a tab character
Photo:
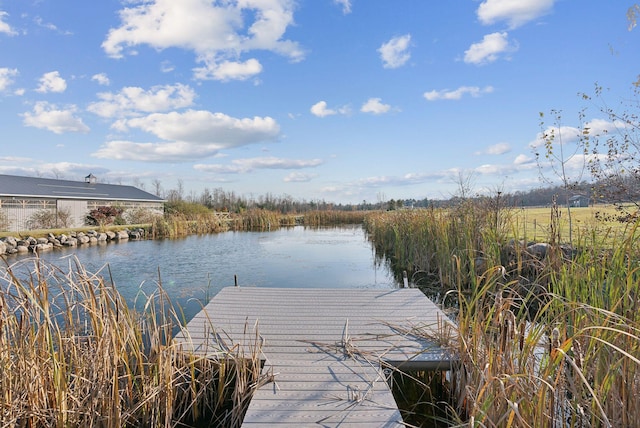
90	179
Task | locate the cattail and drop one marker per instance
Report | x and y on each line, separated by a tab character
554	341
577	354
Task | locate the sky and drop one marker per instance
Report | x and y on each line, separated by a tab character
321	100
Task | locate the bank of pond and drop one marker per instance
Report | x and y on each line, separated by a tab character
548	334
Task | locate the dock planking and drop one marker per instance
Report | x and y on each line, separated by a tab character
325	349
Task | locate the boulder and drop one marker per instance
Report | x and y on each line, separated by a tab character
70	242
11	241
122	235
136	234
43	247
538	250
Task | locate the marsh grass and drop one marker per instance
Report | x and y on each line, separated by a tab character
333	217
262	220
179	225
552	341
72	353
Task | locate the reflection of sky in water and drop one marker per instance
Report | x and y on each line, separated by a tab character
197	266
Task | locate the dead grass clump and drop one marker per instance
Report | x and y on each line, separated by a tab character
72	353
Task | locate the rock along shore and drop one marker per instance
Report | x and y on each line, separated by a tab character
13	245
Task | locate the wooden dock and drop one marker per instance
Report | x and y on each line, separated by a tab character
326	349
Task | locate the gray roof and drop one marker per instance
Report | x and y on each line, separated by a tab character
33	187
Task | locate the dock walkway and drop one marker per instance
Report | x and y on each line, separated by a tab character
326	349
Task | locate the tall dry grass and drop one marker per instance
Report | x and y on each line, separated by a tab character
179	225
551	341
73	354
333	217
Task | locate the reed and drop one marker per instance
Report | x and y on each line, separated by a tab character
550	342
73	353
179	225
333	217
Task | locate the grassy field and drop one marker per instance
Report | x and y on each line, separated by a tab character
533	223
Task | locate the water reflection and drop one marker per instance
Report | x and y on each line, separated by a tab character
195	268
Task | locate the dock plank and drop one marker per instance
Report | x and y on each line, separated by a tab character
324	349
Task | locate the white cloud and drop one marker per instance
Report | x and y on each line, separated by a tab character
132	100
561	135
167	66
50	117
299	177
229	70
4	27
375	106
52	82
514	12
600	127
177	151
217	32
523	160
194	134
394	53
498	149
489	49
243	166
346	5
320	109
49	26
101	78
200	126
457	94
6	77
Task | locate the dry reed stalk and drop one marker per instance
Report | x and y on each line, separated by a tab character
72	353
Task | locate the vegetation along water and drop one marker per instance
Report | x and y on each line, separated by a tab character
548	332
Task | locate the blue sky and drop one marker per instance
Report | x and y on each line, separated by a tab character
335	100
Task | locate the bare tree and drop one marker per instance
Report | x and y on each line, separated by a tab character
157	187
613	149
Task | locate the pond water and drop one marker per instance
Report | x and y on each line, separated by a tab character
195	268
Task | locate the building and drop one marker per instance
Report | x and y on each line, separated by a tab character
23	197
579	201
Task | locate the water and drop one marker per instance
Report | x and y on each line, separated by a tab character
195	268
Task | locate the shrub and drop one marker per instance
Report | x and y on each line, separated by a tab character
103	215
4	221
49	219
190	210
140	216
